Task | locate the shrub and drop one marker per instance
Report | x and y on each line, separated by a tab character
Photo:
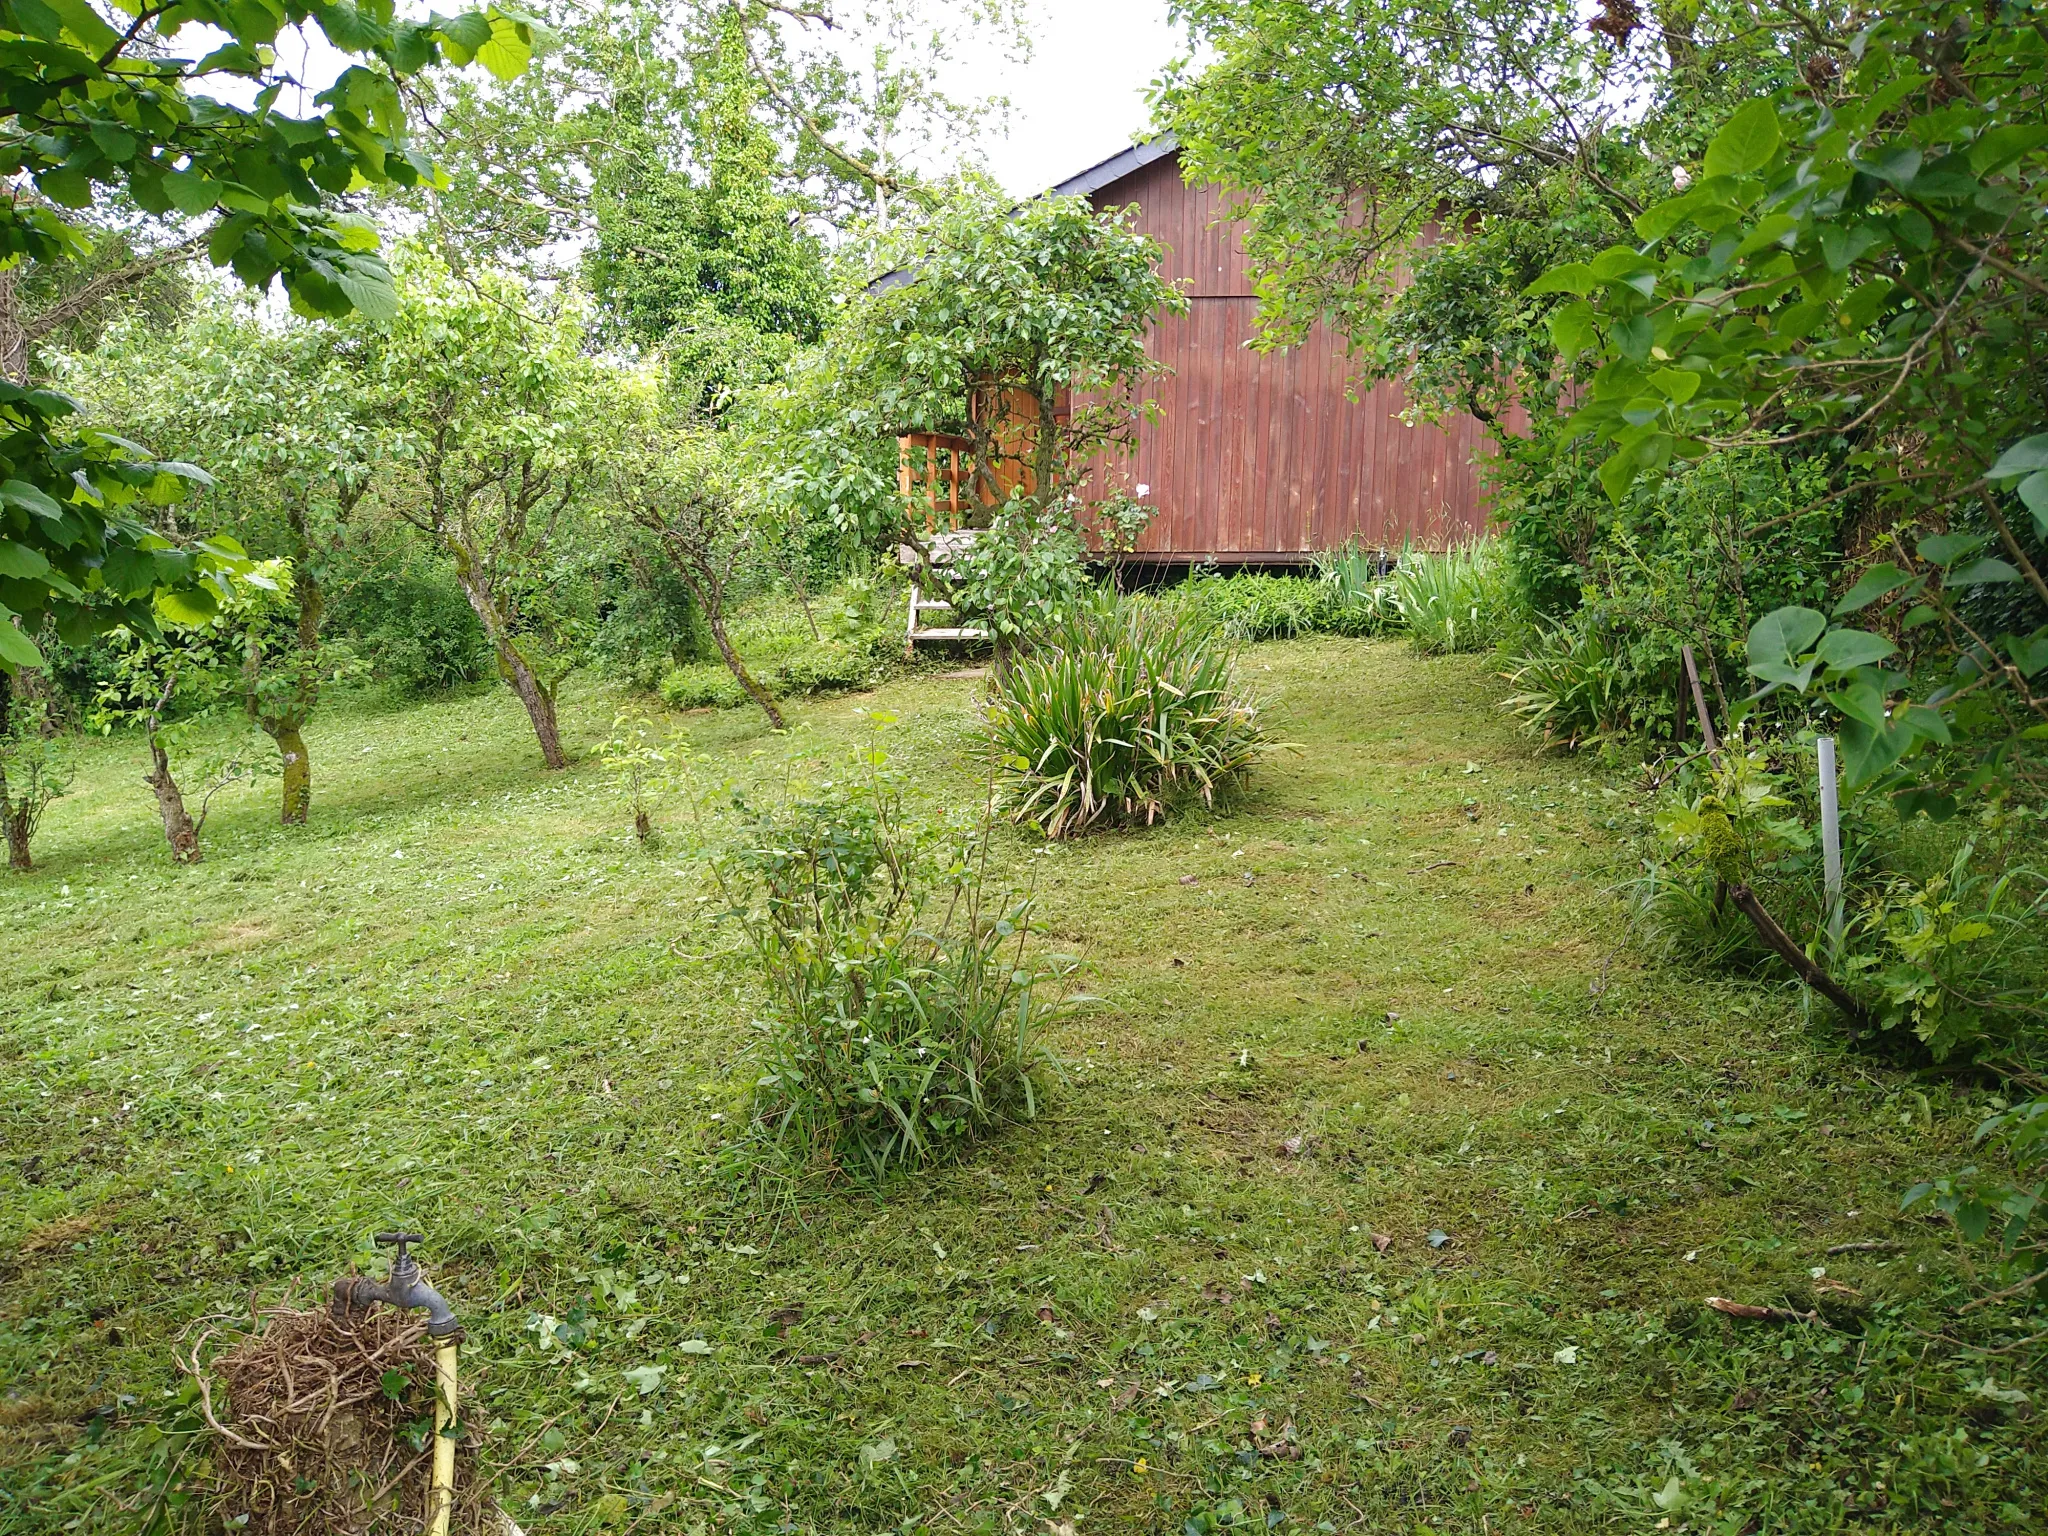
415	628
1575	688
701	685
906	1013
1248	606
1128	710
1361	592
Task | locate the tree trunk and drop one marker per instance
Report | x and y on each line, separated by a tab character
179	830
17	833
715	622
298	775
540	704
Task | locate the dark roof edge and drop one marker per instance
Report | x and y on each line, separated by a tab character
1102	174
1118	166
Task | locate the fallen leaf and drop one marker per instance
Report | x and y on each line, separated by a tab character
1292	1146
1381	1242
1439	1238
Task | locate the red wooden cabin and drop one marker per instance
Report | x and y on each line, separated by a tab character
1260	457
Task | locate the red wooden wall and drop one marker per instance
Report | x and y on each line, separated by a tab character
1261	456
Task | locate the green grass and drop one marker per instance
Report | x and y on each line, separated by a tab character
464	1001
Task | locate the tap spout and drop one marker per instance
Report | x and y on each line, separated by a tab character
404	1290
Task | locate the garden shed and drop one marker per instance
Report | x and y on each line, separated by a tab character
1267	457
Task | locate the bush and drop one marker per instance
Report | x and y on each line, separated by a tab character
1248	606
906	1014
701	685
414	628
1128	710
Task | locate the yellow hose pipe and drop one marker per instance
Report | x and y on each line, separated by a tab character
441	1490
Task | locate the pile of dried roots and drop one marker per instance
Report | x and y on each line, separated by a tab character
324	1426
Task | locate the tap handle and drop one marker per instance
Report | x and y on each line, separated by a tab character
387	1239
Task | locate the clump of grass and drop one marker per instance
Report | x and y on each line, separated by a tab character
1461	600
1127	710
906	1016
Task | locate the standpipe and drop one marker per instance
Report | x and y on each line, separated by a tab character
405	1290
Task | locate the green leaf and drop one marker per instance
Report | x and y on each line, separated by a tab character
85	24
16	649
1947	548
188	605
2001	146
1879	581
21	561
370	290
1746	141
1868	751
1784	633
2029	654
694	1347
30	498
1574	277
1842	650
1659	219
1840	247
2024	457
1634	336
65	186
1982	573
646	1379
1572	330
509	51
1616	474
1681	384
2034	492
190	192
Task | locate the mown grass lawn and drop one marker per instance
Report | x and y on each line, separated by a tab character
1383	1193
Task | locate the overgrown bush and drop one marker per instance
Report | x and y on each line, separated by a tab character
906	1009
1249	606
1944	923
1126	711
414	627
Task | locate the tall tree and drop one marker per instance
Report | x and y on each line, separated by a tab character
483	403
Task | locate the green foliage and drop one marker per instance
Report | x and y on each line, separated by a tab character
1248	607
906	1011
102	108
1125	712
1049	297
1460	600
411	625
645	764
1023	573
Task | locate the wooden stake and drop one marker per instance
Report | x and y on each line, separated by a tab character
1699	702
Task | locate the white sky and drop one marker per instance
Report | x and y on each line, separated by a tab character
1081	98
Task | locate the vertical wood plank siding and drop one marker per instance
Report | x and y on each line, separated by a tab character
1262	455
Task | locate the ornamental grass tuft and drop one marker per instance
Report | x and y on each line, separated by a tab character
1125	711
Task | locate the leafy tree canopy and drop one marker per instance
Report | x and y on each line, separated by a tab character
100	101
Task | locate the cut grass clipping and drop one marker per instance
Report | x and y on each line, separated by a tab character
1127	710
324	1427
